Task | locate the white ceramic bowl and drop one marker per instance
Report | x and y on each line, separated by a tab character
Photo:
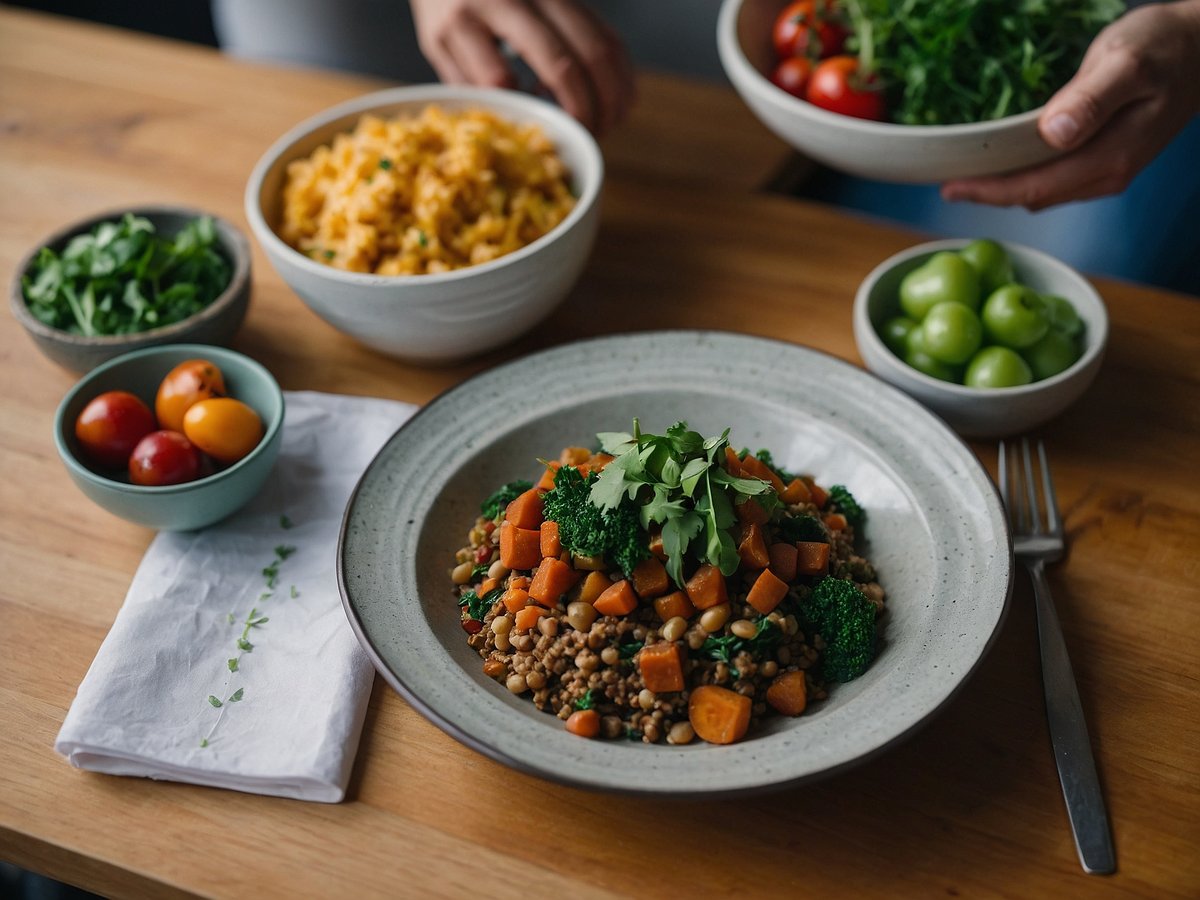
445	316
881	150
983	412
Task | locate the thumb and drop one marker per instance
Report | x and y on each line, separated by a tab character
1110	77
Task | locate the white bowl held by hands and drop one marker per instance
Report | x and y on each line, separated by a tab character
881	150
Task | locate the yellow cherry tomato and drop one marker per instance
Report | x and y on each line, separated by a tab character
224	428
186	384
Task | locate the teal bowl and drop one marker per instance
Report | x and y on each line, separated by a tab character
177	507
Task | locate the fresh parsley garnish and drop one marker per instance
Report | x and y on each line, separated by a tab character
726	648
630	650
678	480
587	701
477	607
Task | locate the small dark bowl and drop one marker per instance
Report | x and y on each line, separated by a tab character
215	324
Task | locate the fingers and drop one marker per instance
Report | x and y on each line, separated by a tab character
600	53
547	54
1111	76
472	48
1103	166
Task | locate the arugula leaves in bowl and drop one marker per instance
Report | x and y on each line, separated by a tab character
123	277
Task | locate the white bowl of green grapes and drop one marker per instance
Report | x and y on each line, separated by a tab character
996	338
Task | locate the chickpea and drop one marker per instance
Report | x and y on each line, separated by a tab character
517	684
548	626
581	615
501	625
674	628
681	733
696	637
535	680
498	570
769	668
744	628
612	727
461	573
610	656
645	699
715	617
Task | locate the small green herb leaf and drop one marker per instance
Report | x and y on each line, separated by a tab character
236	695
214	701
232	663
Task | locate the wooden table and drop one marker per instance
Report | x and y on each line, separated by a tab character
93	119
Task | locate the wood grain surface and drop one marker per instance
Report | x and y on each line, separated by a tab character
93	119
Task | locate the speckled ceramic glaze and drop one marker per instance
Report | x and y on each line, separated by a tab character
936	533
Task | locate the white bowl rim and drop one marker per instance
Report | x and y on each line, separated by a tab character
365	103
199	351
734	57
1097	336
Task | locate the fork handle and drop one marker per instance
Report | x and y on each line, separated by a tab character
1069	737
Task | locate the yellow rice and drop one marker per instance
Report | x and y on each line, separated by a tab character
430	193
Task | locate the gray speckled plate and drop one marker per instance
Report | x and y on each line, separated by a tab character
936	533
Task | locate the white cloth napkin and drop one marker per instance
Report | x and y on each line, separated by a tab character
293	695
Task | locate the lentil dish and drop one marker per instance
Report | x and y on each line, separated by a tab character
666	587
423	194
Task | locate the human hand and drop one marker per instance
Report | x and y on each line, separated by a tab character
1138	85
575	55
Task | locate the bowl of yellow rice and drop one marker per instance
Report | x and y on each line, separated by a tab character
430	222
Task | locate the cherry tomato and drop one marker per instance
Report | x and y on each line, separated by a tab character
111	425
224	428
186	384
792	75
164	457
835	86
808	28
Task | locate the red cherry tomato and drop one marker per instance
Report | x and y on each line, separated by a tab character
836	86
808	28
186	385
110	427
792	76
164	457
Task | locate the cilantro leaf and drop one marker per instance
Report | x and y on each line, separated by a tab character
677	534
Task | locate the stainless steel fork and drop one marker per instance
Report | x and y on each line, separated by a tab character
1034	546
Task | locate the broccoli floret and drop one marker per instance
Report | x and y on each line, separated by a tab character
586	530
847	506
495	504
845	618
802	528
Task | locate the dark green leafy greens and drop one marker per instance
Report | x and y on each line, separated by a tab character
841	498
726	648
504	495
122	277
587	530
477	607
950	61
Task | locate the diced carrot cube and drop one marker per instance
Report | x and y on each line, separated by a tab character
706	588
788	693
617	600
552	579
812	557
595	584
574	456
661	666
520	548
835	521
650	578
733	462
526	510
783	560
674	604
767	592
753	548
520	582
756	468
656	546
796	492
546	482
599	461
526	618
751	512
489	585
551	545
820	496
515	599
